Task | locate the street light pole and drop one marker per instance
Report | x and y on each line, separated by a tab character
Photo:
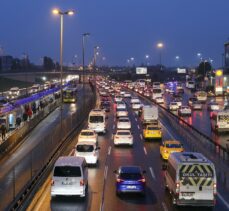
160	45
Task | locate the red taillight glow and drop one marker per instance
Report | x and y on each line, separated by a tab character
177	188
52	182
142	180
81	183
215	188
119	180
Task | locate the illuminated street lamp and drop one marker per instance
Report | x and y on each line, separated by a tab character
61	13
147	58
160	46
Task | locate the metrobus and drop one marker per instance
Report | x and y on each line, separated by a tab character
69	95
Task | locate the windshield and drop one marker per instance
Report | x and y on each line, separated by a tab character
131	176
173	145
157	91
123	120
153	128
223	118
121	109
67	171
96	119
87	133
123	133
85	148
68	94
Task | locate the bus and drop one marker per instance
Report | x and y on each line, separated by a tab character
69	95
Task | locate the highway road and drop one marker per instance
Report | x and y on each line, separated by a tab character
200	119
25	161
102	194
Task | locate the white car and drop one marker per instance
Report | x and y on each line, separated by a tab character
14	92
159	100
197	105
121	112
173	106
178	101
185	111
123	123
123	137
127	95
121	105
88	150
88	135
213	106
118	98
122	93
35	88
134	100
136	106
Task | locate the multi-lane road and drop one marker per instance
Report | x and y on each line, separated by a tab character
102	194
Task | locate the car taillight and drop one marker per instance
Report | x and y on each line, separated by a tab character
81	182
52	182
119	180
177	188
214	188
142	180
165	151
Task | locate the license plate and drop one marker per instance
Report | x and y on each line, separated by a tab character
67	183
189	194
131	187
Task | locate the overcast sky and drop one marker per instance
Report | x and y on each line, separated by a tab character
122	29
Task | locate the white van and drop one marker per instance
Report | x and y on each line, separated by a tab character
220	121
88	150
70	177
191	179
97	121
157	92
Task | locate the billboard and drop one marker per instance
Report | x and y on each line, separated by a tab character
181	70
141	70
226	55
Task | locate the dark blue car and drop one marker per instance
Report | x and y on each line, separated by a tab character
130	179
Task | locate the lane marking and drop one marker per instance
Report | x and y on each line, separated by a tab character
138	127
72	152
170	134
109	150
145	150
105	172
141	136
223	200
152	173
113	127
136	119
164	206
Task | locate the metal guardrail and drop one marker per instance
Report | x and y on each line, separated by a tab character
21	180
199	142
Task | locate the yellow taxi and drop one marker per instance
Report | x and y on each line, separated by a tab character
152	132
169	147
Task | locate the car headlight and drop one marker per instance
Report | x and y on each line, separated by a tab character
10	93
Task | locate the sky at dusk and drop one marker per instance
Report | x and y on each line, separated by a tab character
122	29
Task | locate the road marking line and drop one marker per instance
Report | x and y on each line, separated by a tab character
141	136
105	172
138	127
152	173
145	150
223	200
113	127
72	152
164	206
136	119
109	150
170	134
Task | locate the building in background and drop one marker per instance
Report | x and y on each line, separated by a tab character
6	63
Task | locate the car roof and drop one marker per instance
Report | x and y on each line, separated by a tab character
172	142
130	169
86	143
123	131
69	161
87	130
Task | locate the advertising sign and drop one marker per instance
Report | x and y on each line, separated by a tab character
141	70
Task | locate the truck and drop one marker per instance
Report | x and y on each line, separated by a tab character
149	114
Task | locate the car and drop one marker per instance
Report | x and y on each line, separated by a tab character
185	111
121	105
134	100
213	106
127	95
159	100
123	123
197	105
178	101
152	131
136	106
130	179
191	100
13	93
117	98
123	137
88	135
121	112
147	93
35	88
170	146
69	177
105	105
122	92
88	150
173	106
